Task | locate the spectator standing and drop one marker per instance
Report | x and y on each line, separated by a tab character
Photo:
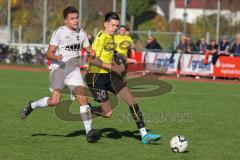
235	49
202	46
190	45
212	49
152	44
182	46
224	46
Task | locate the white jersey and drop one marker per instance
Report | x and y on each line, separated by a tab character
69	44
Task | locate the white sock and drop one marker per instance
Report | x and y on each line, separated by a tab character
40	103
143	131
86	117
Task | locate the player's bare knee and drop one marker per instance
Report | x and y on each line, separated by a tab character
79	91
82	100
80	94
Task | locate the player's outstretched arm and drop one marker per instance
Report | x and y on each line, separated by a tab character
99	63
50	55
111	67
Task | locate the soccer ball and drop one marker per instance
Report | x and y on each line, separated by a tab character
178	144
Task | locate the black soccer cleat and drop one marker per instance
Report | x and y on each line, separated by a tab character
93	136
26	110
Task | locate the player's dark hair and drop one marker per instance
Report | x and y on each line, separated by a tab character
111	15
68	10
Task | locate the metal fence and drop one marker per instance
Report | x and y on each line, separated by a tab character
167	40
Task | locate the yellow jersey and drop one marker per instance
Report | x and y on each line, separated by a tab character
123	43
104	48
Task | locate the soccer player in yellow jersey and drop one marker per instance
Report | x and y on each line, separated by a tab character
124	42
100	80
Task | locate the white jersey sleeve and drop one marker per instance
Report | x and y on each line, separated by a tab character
55	38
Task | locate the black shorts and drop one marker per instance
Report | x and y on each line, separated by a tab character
100	83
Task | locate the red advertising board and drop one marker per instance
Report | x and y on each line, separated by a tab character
227	67
139	66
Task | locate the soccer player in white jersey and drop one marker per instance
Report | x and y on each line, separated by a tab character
63	51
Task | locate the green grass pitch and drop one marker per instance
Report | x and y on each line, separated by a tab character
206	113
